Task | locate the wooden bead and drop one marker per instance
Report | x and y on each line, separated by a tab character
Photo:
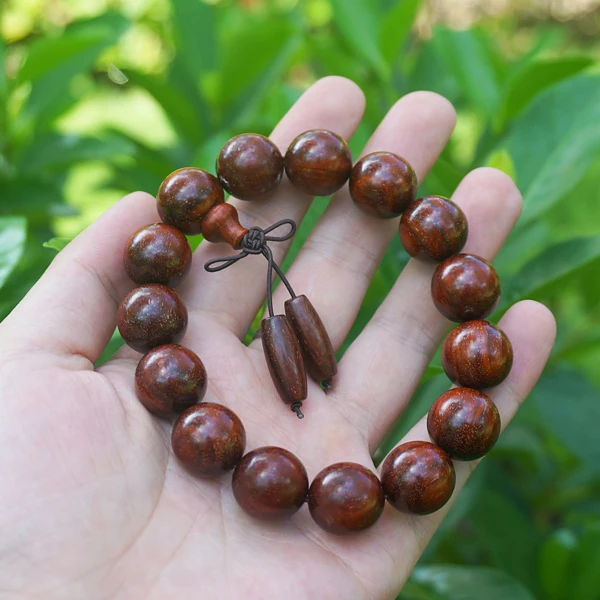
222	224
157	253
464	423
319	356
383	184
345	498
209	439
433	228
170	379
185	197
318	162
152	315
270	483
249	166
418	478
465	287
477	355
284	359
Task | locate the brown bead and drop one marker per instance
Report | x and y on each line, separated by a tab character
157	253
477	355
418	478
222	224
249	166
209	439
464	423
465	287
319	356
383	184
345	498
284	359
185	197
270	483
318	162
170	379
152	315
433	228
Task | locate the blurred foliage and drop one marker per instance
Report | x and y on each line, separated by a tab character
101	98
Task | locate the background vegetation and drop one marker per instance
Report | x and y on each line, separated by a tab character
100	97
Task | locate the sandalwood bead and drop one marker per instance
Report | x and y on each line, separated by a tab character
477	355
170	379
221	224
418	478
249	166
345	498
433	228
270	483
185	197
151	315
318	162
157	253
383	184
209	439
465	287
464	423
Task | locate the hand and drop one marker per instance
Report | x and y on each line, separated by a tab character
93	504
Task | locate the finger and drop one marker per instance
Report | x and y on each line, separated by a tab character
345	248
532	329
235	296
71	310
380	371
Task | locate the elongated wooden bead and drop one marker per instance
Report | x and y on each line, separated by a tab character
319	356
221	224
284	359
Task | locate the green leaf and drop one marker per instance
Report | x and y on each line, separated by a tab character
357	23
585	573
553	143
469	583
395	26
13	234
36	198
56	243
555	564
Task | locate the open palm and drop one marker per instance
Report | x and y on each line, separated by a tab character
92	503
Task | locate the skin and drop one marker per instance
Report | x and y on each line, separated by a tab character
95	505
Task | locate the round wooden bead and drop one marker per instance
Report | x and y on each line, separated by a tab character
418	478
433	228
151	315
465	287
249	166
157	253
209	439
185	197
318	162
345	498
170	379
270	483
477	355
464	423
383	184
222	224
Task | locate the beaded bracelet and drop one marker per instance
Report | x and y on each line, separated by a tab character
208	438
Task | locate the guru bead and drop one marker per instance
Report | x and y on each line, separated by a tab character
433	228
383	184
318	162
185	197
477	355
418	478
221	224
209	439
464	423
170	379
465	287
345	498
270	483
151	315
319	356
249	166
157	253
